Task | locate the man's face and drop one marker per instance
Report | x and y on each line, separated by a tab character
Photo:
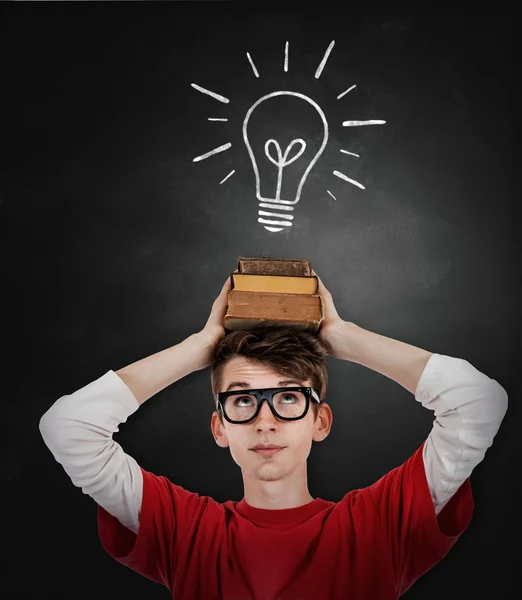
295	436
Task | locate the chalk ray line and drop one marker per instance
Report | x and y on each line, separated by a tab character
216	119
357	123
213	94
252	65
346	91
215	151
286	57
350	153
346	178
229	175
331	194
325	58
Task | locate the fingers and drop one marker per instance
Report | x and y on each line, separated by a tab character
322	288
222	299
330	310
224	290
220	304
226	286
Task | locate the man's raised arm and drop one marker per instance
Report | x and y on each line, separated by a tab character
78	427
469	406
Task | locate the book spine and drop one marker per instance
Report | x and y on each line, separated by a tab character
270	305
236	323
274	266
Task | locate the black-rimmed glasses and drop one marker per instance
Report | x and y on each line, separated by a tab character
287	403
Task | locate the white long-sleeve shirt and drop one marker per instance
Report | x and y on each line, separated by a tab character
78	428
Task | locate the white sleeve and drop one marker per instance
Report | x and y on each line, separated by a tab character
469	407
78	430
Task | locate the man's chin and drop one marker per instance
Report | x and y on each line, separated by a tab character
269	472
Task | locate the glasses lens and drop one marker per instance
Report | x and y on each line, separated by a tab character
241	407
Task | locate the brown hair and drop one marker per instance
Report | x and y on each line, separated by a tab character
286	350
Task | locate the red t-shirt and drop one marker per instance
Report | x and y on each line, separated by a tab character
373	544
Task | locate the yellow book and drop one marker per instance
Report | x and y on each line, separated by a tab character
280	284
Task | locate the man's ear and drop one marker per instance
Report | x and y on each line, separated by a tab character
218	430
323	424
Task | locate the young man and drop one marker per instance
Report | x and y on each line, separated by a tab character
278	542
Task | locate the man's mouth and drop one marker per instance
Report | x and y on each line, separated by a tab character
268	451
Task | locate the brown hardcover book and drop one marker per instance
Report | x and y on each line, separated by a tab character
246	310
282	284
294	267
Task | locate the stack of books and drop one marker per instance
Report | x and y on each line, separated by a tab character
274	291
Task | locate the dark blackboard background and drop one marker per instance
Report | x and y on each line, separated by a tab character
115	244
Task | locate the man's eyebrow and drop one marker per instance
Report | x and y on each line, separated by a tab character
244	385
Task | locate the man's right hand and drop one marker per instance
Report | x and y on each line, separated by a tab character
214	331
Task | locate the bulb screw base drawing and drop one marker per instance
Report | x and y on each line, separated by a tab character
284	218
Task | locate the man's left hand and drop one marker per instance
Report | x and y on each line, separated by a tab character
333	329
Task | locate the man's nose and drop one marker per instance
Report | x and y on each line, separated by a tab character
265	414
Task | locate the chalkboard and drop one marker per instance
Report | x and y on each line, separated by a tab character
120	229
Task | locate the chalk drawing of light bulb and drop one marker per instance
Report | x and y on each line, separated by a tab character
277	221
294	149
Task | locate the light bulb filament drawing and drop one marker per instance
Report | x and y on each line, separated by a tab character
282	160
